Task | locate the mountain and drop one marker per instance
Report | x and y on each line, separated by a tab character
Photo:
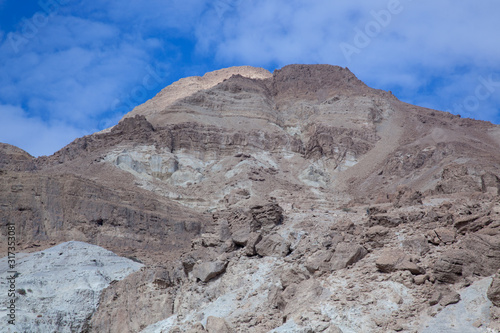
295	201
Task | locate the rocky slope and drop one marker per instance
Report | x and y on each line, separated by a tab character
297	201
58	289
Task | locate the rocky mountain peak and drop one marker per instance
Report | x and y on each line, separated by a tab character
191	85
311	79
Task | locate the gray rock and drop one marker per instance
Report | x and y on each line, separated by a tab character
62	286
253	240
451	298
208	270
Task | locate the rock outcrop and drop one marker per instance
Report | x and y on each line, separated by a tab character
58	289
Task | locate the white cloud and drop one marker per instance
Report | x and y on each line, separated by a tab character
422	40
34	135
70	76
91	58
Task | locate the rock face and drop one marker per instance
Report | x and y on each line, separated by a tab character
58	289
295	201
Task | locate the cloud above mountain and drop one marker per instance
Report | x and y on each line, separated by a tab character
77	67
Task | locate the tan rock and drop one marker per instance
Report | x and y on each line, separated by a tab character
347	254
388	261
319	261
217	325
393	260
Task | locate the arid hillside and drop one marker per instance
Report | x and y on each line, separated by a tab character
295	201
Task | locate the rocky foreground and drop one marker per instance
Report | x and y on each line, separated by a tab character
297	201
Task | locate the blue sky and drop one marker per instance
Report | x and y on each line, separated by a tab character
70	68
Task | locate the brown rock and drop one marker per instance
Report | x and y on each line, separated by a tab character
292	275
494	290
347	254
253	240
418	245
420	279
241	237
451	298
266	216
478	254
273	245
406	265
319	261
393	260
376	235
445	235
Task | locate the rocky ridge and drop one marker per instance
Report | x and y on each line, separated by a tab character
297	201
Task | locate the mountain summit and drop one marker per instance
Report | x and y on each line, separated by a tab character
299	200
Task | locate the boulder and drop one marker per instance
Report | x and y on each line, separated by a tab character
208	270
347	254
478	255
292	275
445	235
241	237
450	298
418	245
253	240
388	261
266	216
273	245
319	261
394	260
